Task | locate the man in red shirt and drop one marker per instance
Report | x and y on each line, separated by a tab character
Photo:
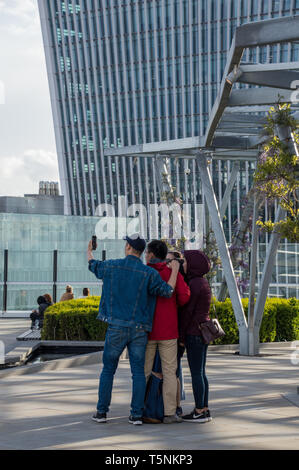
164	334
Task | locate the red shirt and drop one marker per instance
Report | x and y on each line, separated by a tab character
165	324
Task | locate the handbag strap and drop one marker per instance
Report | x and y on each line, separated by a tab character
214	312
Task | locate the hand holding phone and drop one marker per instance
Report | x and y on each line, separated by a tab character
94	243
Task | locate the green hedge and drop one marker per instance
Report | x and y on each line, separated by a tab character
76	320
280	321
287	319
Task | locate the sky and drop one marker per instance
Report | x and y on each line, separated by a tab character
27	142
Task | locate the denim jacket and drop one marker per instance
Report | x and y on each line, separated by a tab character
129	291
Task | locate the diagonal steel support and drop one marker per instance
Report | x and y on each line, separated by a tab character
162	174
229	188
266	277
253	338
207	185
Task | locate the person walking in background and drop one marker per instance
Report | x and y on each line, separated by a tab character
164	334
68	295
127	304
38	314
192	315
86	293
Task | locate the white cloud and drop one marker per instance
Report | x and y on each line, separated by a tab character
19	16
27	151
21	174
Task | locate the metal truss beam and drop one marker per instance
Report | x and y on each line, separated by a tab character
262	33
274	78
226	127
243	119
157	147
234	142
258	96
269	67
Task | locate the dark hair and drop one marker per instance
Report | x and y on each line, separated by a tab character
176	254
41	300
48	298
179	255
137	252
86	291
158	248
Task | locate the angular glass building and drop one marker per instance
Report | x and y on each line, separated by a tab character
28	244
127	72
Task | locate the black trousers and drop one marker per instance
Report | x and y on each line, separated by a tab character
36	316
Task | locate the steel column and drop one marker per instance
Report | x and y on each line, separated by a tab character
5	279
267	273
224	252
55	270
253	335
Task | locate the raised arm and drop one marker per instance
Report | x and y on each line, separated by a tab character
161	288
89	252
95	266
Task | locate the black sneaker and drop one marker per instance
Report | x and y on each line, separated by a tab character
209	415
134	420
100	417
196	417
179	411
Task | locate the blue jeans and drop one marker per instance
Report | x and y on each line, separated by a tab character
197	355
117	338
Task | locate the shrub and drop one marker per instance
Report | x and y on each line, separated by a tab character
287	319
228	322
268	326
74	320
280	321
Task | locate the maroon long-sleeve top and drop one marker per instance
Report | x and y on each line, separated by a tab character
196	311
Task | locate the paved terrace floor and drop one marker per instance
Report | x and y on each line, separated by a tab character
10	328
52	409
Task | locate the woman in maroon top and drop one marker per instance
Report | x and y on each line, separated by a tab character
195	312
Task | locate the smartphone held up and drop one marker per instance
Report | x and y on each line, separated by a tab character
94	243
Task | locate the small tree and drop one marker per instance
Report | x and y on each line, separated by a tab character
276	177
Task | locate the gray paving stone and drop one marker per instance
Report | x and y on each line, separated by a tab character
52	409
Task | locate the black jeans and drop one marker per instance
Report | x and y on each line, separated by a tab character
197	355
179	372
37	316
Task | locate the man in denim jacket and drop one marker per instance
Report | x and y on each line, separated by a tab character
127	304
